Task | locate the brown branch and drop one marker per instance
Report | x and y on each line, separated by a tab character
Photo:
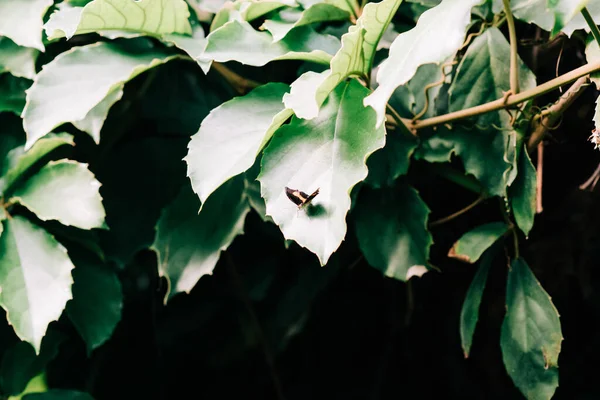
554	112
239	83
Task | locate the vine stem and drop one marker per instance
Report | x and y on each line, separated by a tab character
514	56
591	24
457	213
554	112
505	103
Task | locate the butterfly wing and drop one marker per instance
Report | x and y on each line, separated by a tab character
296	196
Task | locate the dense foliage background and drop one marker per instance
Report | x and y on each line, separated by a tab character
148	248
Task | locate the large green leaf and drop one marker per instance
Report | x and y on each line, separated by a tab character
35	276
62	92
592	53
485	154
238	41
66	191
409	99
19	61
20	363
523	193
18	161
578	22
469	313
391	227
421	45
247	10
319	12
388	163
188	244
194	46
150	17
22	21
59	394
472	244
355	57
551	15
328	152
484	75
12	93
97	300
224	147
531	334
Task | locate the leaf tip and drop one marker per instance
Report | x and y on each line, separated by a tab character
416	270
461	257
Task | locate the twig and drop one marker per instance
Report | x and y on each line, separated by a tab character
554	112
512	100
540	173
239	83
457	214
592	24
592	180
514	56
243	294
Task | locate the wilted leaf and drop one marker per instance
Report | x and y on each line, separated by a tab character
188	244
238	41
224	147
421	45
62	92
150	17
66	191
328	152
22	21
531	334
472	244
35	276
470	310
355	57
391	227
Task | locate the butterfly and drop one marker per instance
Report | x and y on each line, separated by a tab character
299	198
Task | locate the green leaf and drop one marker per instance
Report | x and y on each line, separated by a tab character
472	244
469	314
22	21
238	41
355	57
61	92
35	276
59	394
523	193
97	301
484	75
12	93
66	191
35	385
19	61
328	152
150	17
20	364
223	147
188	245
578	22
18	161
194	46
319	12
485	154
391	227
393	160
421	45
409	99
531	334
